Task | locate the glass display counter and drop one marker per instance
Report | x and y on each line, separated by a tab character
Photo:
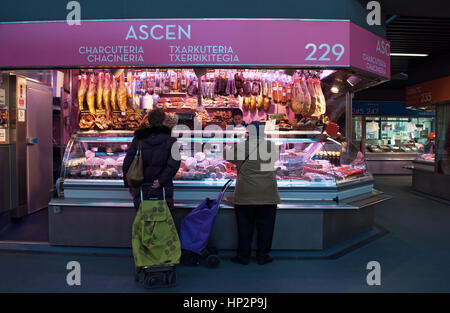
391	144
325	189
315	167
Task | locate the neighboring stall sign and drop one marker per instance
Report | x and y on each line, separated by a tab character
430	92
386	108
197	42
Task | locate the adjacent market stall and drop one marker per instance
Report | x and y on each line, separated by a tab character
431	169
390	135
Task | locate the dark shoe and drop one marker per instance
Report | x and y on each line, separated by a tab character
265	260
240	260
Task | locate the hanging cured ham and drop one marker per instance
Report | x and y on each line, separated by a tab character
259	97
306	96
122	94
82	91
312	93
246	102
321	97
114	93
298	99
107	93
100	91
275	92
90	96
265	94
134	95
288	92
252	103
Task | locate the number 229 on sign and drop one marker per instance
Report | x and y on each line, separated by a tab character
337	50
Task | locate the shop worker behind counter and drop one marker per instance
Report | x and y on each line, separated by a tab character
160	166
256	195
237	118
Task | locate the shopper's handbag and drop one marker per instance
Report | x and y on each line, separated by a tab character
155	239
135	174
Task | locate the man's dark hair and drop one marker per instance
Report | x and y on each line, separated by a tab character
237	112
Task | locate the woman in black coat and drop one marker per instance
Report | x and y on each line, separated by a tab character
160	156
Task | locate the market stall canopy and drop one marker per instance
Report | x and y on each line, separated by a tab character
197	42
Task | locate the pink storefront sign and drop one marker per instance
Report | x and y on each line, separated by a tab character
222	42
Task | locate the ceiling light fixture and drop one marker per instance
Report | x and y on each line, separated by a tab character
353	80
326	73
334	89
408	55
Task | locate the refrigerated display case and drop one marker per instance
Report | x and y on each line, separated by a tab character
424	161
391	143
320	180
308	164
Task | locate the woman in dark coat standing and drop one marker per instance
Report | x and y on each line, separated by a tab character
160	156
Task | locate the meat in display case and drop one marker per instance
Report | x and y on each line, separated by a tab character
307	160
96	155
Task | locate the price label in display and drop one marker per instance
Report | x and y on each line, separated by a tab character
322	52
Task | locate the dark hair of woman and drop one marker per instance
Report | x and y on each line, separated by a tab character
156	117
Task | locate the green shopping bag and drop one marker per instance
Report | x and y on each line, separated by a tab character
155	239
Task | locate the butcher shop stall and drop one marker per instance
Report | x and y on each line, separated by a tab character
390	134
431	168
201	71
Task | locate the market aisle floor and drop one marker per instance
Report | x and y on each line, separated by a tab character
414	257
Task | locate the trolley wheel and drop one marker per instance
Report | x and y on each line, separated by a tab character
139	275
213	261
150	281
213	250
172	278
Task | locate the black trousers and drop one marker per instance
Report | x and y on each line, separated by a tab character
249	216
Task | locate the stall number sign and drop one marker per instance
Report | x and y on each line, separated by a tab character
322	52
370	109
426	97
21	115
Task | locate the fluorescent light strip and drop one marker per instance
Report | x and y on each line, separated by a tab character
408	55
